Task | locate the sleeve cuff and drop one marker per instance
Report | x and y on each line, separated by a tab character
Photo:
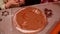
3	6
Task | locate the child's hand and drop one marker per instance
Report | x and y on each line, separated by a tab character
11	2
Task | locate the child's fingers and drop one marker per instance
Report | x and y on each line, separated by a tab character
16	0
16	3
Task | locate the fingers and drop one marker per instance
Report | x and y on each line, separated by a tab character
13	2
16	1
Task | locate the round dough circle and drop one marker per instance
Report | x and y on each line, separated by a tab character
30	20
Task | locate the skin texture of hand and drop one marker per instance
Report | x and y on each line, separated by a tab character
13	2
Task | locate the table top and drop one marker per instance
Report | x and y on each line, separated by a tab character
6	26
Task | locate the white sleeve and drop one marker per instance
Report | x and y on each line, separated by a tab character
2	5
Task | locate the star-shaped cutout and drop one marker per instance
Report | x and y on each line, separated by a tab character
48	12
5	13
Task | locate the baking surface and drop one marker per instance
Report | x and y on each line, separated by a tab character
6	26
